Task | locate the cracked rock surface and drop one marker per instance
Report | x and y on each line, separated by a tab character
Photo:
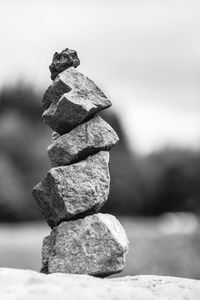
86	139
96	245
70	100
68	192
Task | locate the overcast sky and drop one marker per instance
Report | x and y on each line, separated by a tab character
145	55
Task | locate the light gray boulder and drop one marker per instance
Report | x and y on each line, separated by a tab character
70	100
86	139
72	191
16	284
96	245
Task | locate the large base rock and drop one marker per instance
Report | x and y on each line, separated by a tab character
86	139
30	285
96	245
72	191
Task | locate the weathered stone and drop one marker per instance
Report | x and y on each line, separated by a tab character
18	284
75	190
96	245
66	81
55	135
70	100
55	91
86	139
62	61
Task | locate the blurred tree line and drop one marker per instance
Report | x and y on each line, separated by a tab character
168	180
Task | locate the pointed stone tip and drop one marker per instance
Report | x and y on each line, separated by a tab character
62	61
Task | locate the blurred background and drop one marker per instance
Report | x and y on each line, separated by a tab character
145	56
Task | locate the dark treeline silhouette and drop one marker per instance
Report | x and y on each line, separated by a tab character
168	180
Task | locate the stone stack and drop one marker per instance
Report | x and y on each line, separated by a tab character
82	241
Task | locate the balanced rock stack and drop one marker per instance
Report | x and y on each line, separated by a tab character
82	241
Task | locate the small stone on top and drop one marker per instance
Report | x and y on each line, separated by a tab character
62	61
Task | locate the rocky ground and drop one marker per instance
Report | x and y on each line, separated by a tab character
16	284
164	246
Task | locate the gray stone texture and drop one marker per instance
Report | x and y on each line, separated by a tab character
55	135
72	191
55	91
96	245
72	99
16	284
86	139
62	61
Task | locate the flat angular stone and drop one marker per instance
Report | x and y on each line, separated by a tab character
62	61
66	81
72	99
76	190
54	92
86	139
96	245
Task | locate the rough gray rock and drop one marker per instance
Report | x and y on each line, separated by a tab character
16	284
55	135
72	99
66	81
72	191
86	139
96	245
62	61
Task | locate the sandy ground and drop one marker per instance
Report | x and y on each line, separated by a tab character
164	246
